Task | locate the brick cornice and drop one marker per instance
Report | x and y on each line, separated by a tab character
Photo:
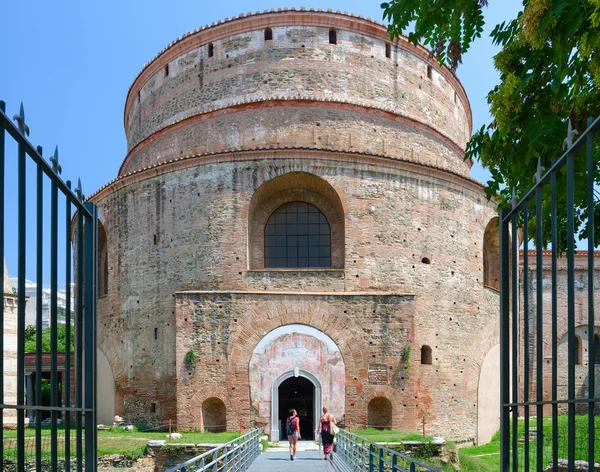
285	17
262	104
271	152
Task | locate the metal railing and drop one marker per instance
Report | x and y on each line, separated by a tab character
362	455
60	246
236	455
537	378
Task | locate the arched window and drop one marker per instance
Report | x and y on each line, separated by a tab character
211	50
102	261
332	36
379	413
426	355
491	255
214	415
297	235
268	34
596	349
577	349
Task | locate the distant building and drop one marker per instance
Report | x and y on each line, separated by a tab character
31	307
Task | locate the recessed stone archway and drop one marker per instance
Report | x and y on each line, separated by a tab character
296	350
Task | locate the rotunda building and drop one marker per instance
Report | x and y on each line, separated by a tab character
295	226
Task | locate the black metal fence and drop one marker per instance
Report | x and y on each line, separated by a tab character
62	245
548	394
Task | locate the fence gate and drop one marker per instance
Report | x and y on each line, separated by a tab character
550	342
47	410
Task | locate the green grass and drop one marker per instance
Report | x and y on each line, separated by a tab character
115	441
389	435
486	458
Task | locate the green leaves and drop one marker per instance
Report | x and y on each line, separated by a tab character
447	27
549	69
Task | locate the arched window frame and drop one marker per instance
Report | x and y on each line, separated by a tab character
290	187
306	238
102	261
268	34
578	349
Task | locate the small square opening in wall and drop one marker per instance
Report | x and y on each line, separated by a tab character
429	72
332	36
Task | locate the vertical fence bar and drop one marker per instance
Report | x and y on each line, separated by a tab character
515	339
22	208
554	237
591	321
526	335
504	346
2	133
38	313
54	400
571	307
67	422
79	340
539	336
89	267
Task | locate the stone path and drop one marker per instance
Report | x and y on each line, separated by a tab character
308	459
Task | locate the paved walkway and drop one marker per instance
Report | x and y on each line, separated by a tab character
308	459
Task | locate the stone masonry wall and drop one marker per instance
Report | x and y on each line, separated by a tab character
224	329
299	124
582	329
186	229
299	63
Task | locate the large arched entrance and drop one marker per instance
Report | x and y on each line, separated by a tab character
300	390
297	393
300	367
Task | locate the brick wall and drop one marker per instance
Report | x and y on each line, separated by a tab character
375	145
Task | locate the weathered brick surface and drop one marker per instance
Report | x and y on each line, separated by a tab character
299	63
407	238
582	330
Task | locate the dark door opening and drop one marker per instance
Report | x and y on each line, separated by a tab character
298	393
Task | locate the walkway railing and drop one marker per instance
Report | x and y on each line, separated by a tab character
236	455
362	455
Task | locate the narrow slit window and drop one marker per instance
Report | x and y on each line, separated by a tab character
268	34
388	50
332	36
426	355
211	50
167	70
429	72
155	333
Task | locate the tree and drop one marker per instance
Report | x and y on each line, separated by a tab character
549	68
61	330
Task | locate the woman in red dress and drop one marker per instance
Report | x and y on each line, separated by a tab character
326	421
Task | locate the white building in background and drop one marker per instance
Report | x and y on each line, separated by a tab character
31	307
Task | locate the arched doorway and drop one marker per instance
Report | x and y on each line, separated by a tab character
300	390
297	393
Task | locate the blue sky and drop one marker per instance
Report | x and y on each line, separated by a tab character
72	62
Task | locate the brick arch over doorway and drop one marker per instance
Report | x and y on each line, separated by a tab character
344	332
296	350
